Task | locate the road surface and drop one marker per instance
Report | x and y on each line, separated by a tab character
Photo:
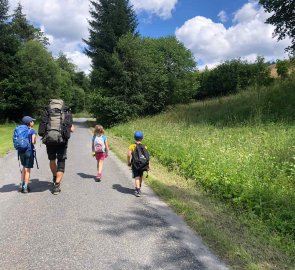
90	225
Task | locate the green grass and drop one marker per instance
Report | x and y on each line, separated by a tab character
6	132
241	151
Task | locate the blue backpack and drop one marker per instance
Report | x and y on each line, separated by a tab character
21	139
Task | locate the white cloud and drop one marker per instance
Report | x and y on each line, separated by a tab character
249	36
162	8
80	60
63	22
222	16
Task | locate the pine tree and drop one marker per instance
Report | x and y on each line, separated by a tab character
23	29
8	43
111	19
3	11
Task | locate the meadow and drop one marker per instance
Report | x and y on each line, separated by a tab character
240	149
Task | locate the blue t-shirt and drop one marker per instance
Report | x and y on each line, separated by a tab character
31	133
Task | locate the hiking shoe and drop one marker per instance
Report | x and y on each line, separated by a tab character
20	188
137	192
56	189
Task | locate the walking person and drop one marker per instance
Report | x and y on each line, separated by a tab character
24	139
138	160
55	129
100	149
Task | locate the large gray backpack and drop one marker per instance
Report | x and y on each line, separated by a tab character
56	123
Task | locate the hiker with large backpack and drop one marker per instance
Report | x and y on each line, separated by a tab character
138	159
100	149
55	129
24	138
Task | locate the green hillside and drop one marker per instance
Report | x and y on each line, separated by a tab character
239	149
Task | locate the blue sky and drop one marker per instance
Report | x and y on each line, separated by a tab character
214	30
154	26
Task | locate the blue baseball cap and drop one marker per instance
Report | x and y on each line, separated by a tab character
138	135
27	119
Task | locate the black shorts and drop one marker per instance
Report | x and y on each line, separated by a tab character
57	151
136	173
27	159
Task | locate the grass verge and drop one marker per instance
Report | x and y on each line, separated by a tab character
6	132
240	242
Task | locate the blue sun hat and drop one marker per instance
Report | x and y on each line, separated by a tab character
138	135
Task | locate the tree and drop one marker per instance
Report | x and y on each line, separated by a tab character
34	81
8	45
3	11
148	75
282	18
111	19
283	68
23	30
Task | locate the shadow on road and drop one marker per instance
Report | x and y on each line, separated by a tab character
86	176
35	184
168	252
124	190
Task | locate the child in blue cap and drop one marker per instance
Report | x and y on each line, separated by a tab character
27	158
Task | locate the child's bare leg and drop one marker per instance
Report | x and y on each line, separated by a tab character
100	165
27	175
23	175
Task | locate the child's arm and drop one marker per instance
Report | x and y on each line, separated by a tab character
93	152
34	138
129	157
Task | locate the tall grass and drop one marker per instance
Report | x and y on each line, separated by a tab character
240	148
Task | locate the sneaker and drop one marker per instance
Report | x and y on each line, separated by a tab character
56	189
137	192
25	190
20	188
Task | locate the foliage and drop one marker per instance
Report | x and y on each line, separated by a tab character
282	18
23	30
4	7
148	75
70	91
239	148
33	82
231	77
111	19
283	68
8	43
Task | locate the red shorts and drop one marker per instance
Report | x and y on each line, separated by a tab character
100	155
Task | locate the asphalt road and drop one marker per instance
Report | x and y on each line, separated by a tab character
90	225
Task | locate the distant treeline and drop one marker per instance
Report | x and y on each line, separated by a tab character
29	75
131	75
